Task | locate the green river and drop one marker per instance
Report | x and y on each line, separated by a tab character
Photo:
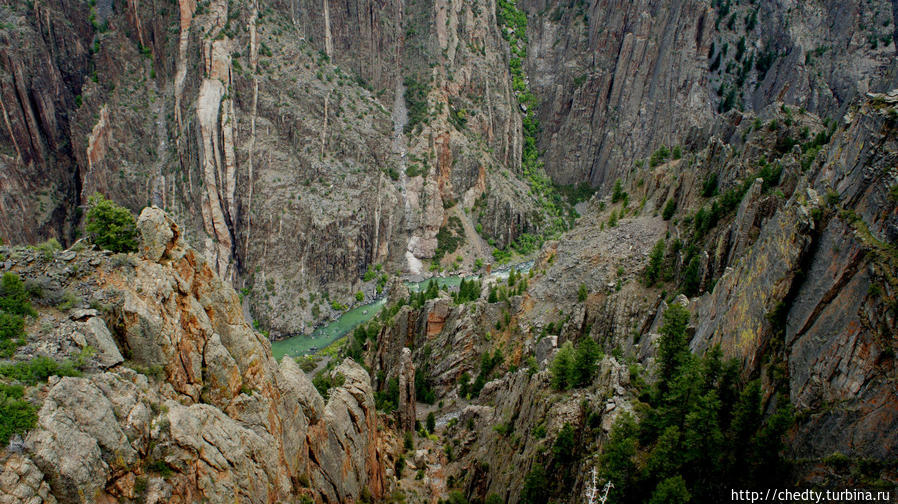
323	336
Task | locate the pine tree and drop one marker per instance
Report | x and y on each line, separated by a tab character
431	423
656	261
536	486
673	348
585	362
671	491
561	366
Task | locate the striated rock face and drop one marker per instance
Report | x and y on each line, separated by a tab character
816	284
277	135
618	79
199	410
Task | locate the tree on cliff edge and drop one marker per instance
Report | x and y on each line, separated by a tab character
110	226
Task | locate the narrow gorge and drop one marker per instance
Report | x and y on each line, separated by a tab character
509	251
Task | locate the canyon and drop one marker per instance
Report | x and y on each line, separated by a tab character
291	160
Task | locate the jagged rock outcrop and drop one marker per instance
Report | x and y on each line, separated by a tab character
199	410
407	410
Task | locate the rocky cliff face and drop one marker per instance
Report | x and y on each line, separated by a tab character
301	144
617	80
297	143
795	280
182	400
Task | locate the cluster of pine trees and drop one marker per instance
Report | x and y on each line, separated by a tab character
701	431
417	299
467	291
575	367
488	363
516	286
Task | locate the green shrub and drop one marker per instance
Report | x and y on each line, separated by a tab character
324	382
48	248
493	499
669	209
456	497
111	226
13	296
387	400
11	333
38	370
16	414
449	238
69	300
413	170
709	186
416	103
582	293
399	466
161	468
659	156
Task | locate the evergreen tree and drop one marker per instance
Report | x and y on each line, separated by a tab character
671	491
536	486
110	226
563	450
616	463
431	423
673	348
656	261
562	365
584	364
582	293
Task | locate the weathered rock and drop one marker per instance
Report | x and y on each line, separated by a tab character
78	440
213	418
158	233
406	375
21	481
97	335
344	441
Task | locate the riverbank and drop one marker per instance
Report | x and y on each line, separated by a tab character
325	335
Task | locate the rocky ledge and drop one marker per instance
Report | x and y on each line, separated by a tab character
179	400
